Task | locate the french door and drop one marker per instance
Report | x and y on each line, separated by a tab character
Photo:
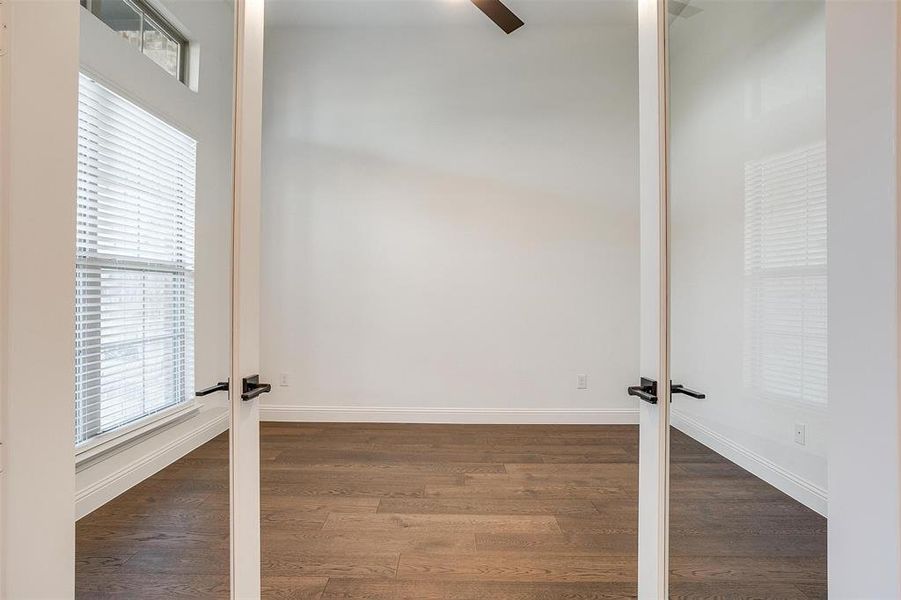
862	40
37	477
734	291
244	430
653	461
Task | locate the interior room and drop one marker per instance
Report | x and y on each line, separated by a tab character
369	300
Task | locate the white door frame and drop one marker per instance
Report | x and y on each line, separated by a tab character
863	132
244	426
38	135
653	467
38	123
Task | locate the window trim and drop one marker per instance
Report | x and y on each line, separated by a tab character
148	424
149	13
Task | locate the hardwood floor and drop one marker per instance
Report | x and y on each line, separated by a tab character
443	512
167	537
734	536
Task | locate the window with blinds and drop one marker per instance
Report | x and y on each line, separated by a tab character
134	297
785	276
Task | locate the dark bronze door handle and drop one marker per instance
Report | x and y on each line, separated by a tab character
681	389
251	387
647	391
222	386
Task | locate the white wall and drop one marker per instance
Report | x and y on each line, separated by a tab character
864	454
450	223
205	113
747	83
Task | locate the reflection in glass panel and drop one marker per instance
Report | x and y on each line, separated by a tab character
785	276
122	17
748	298
153	266
161	48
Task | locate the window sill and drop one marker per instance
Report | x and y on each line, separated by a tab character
102	445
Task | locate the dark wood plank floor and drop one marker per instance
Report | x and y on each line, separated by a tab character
441	512
167	537
734	536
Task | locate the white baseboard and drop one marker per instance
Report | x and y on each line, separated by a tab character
503	416
108	487
802	490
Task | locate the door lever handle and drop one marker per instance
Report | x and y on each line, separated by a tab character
251	387
681	389
647	391
222	386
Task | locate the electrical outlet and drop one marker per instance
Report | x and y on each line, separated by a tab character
800	434
283	380
582	382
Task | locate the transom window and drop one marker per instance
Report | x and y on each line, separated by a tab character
146	30
134	286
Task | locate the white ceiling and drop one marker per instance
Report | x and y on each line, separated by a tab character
431	13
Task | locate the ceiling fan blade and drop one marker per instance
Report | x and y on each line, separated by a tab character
502	16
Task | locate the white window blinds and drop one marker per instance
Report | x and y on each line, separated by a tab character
134	297
785	276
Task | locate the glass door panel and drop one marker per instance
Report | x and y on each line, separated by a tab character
747	193
153	289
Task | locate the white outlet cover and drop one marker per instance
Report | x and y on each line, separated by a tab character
800	434
582	382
